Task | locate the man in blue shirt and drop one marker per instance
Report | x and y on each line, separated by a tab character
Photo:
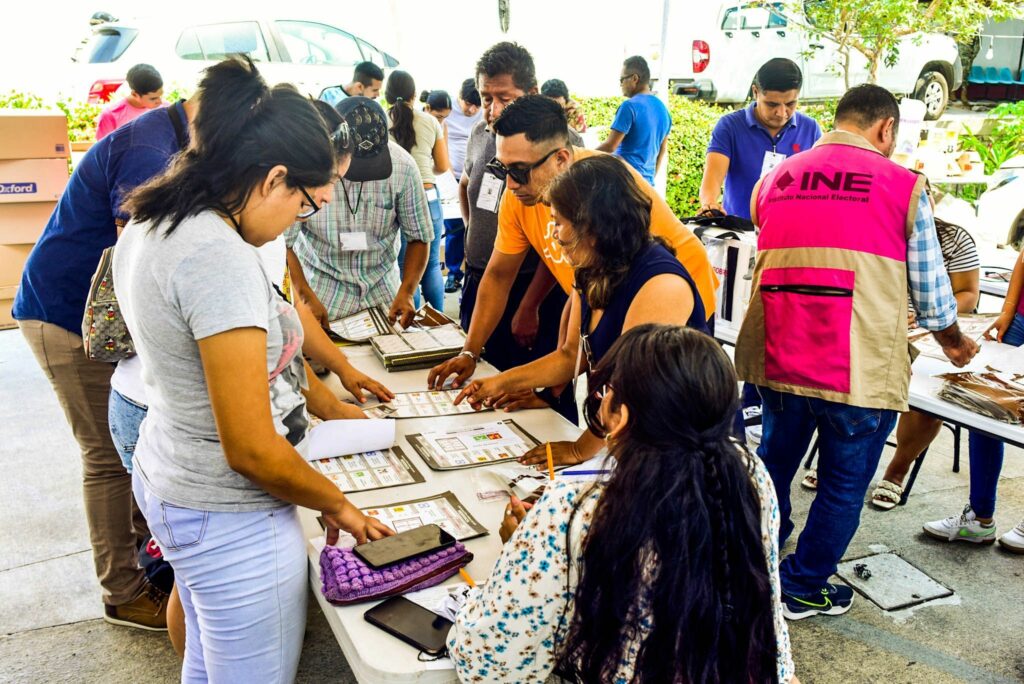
49	306
639	132
749	143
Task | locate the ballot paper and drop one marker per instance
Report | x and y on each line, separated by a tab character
472	445
421	405
444	510
333	438
971	325
370	470
995	395
360	327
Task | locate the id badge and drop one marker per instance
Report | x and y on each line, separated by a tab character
490	193
353	242
771	160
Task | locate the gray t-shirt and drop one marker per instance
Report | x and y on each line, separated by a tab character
201	280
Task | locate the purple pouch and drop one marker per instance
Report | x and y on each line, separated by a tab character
348	579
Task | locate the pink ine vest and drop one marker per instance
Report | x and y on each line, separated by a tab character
831	278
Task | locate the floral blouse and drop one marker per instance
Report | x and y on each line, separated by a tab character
509	630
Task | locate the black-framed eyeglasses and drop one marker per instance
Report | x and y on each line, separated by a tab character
623	79
341	138
314	207
520	174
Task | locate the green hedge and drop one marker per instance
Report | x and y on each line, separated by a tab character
81	115
692	123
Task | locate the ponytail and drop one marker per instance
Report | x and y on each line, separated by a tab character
241	130
400	93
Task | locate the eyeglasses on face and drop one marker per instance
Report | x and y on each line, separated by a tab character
520	174
313	206
623	79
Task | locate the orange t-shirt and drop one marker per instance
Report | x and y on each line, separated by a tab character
521	227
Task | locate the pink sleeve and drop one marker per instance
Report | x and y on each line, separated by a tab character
105	125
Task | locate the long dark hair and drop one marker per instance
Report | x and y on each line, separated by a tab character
599	196
242	128
400	94
677	528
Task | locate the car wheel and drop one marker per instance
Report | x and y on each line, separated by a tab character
933	90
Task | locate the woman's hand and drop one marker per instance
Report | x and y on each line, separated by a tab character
341	410
318	310
358	383
356	523
999	327
514	514
562	453
483	393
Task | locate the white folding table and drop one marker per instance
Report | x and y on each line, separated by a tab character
375	656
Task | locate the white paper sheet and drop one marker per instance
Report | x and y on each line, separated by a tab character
333	438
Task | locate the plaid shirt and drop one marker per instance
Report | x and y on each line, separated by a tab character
349	281
930	289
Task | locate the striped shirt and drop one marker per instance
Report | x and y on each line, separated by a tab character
930	290
349	280
958	248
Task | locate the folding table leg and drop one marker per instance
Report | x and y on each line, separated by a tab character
913	476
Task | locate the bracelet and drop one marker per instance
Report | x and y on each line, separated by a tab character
466	352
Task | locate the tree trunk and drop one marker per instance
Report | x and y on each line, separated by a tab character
846	69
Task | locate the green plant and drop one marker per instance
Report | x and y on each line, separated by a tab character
822	112
692	123
81	116
1006	139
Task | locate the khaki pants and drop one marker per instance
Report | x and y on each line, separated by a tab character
115	524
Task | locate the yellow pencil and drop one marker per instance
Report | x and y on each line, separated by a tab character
466	577
551	463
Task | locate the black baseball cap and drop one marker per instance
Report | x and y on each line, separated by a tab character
371	159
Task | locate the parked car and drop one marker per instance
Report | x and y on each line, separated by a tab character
310	54
1001	206
716	52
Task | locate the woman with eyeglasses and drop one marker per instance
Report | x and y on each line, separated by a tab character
666	570
218	468
624	278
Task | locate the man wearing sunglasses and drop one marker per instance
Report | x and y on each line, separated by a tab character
532	149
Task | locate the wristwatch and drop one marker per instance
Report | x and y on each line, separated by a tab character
466	352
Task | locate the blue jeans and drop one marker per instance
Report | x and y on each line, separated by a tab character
454	245
432	282
124	417
987	453
850	444
242	582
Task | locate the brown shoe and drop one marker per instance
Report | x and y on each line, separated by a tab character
147	611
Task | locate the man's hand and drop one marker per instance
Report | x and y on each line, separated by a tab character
358	383
962	353
525	324
356	523
481	393
711	208
999	326
517	401
461	366
911	321
562	453
514	514
313	302
402	310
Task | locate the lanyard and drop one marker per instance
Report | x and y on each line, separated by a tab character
359	198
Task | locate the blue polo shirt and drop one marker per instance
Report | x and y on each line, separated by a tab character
644	121
55	282
741	137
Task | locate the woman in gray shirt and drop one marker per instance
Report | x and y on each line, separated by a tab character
218	466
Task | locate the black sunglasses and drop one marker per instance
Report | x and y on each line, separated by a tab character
520	174
314	207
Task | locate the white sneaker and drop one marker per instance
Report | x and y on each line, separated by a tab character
1013	541
963	527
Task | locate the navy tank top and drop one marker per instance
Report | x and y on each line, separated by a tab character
652	261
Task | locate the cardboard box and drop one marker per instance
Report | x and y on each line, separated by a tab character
6	302
32	180
22	223
12	261
33	134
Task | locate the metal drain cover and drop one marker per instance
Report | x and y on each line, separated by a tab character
890	582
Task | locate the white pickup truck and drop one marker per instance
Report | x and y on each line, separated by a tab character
714	51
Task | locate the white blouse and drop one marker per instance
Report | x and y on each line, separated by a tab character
510	629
